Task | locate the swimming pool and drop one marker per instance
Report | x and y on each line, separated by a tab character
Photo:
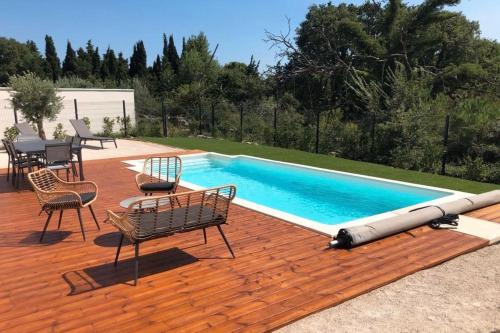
313	197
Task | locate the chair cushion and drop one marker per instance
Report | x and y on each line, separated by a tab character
58	166
24	163
69	201
157	187
87	197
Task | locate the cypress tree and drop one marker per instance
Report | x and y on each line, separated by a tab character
96	62
183	52
133	60
121	69
112	63
172	55
93	58
89	51
164	58
37	63
157	67
83	65
109	65
69	63
52	62
138	60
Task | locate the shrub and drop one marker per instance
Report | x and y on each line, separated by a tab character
86	120
76	82
59	132
148	128
124	122
107	127
10	133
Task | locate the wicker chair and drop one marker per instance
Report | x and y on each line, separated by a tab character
159	175
158	216
54	194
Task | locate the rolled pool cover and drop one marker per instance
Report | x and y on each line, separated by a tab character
353	236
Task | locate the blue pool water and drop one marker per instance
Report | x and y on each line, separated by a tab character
324	197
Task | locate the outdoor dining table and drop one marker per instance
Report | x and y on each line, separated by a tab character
37	147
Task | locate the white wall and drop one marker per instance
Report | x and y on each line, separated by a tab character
92	103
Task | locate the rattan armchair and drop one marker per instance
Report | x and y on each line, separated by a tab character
159	175
55	194
166	215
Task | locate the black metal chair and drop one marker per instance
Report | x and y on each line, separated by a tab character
9	160
18	162
74	141
58	157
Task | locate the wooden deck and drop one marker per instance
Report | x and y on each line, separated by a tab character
282	272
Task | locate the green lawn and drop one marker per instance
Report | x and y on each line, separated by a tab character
327	162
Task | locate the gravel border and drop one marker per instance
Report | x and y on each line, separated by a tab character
461	295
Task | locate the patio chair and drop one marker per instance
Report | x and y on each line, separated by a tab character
155	217
74	141
54	194
18	162
84	133
58	156
159	175
9	161
26	130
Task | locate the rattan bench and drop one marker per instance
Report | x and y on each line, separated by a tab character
161	216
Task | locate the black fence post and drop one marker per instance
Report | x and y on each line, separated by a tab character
124	119
213	120
241	123
15	116
200	127
164	119
372	148
445	144
76	108
316	149
275	125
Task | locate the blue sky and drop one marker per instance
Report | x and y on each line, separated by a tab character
238	26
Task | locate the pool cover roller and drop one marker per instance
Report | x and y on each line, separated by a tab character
353	236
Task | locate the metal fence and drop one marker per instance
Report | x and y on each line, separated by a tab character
440	143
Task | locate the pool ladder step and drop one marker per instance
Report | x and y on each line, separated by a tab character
196	165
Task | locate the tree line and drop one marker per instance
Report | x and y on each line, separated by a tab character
372	82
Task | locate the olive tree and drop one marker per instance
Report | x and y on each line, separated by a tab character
36	98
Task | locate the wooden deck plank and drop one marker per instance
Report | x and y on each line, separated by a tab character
282	272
